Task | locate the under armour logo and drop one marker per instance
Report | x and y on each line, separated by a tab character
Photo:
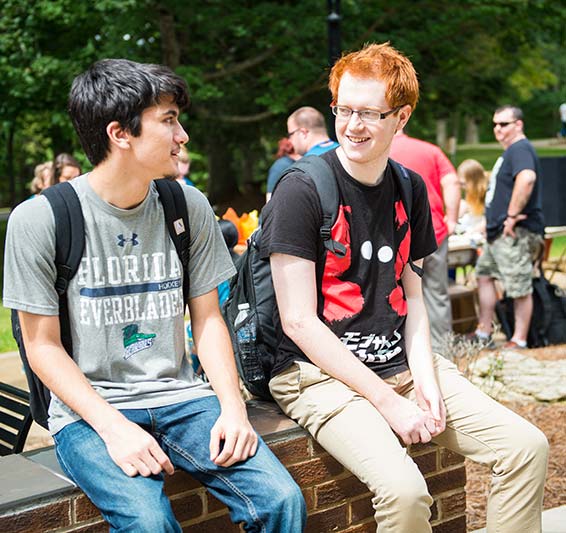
123	240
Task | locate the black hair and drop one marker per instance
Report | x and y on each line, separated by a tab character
119	89
517	112
229	232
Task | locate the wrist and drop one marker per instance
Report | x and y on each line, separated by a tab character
512	217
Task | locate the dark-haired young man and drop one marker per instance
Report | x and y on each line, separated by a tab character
354	364
127	407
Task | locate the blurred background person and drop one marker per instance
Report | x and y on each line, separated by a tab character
41	178
184	167
284	157
65	168
473	180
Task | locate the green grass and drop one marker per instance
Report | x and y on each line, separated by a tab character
7	342
557	248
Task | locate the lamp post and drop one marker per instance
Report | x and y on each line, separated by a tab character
334	46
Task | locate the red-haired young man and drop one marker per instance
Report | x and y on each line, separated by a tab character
354	364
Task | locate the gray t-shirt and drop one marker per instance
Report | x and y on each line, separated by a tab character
126	300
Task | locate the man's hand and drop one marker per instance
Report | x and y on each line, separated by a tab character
239	439
430	401
509	225
450	225
408	420
135	451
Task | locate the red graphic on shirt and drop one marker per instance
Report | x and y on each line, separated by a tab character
397	297
342	299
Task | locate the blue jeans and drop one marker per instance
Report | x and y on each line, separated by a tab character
258	492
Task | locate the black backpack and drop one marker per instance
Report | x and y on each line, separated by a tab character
548	322
248	311
69	247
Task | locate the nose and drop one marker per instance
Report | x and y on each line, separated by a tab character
355	117
181	136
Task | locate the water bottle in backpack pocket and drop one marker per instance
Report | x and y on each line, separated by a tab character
245	329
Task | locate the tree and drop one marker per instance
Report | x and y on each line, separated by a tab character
250	63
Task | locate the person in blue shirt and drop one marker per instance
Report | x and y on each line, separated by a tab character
308	136
307	131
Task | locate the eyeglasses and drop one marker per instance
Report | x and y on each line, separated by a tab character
293	132
366	115
503	124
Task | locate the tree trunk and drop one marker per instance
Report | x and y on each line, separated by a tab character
472	134
441	133
222	182
170	50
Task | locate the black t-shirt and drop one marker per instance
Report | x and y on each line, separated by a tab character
519	156
360	296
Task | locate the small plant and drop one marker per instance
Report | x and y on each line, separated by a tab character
464	351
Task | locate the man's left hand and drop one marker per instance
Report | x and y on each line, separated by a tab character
239	439
509	225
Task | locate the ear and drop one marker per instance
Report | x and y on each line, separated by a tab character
404	116
118	136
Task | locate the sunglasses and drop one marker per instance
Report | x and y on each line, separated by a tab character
503	124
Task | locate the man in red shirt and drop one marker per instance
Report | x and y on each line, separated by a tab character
443	190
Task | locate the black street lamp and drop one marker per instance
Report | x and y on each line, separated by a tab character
334	46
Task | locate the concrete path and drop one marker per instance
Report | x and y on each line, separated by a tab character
553	521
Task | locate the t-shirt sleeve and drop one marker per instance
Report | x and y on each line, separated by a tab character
209	260
292	219
443	164
521	159
29	259
423	240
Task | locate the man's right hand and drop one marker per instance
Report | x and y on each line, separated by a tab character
135	451
407	419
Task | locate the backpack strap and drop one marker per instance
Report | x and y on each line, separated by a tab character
174	205
69	232
406	187
69	248
325	182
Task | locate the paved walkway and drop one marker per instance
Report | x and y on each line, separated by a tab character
553	521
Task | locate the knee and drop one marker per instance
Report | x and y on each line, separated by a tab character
288	500
534	447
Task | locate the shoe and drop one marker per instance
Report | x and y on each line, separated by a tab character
486	343
512	345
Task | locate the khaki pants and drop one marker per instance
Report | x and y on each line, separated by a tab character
478	427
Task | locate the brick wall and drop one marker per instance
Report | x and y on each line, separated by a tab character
336	500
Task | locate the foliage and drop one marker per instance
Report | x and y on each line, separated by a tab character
7	342
248	64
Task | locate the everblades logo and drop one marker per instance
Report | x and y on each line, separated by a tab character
134	341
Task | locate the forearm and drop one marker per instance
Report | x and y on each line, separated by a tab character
417	339
451	194
327	352
217	358
64	379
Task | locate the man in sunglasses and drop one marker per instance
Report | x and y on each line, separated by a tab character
515	227
353	363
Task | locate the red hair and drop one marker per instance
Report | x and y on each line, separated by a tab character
383	63
285	147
